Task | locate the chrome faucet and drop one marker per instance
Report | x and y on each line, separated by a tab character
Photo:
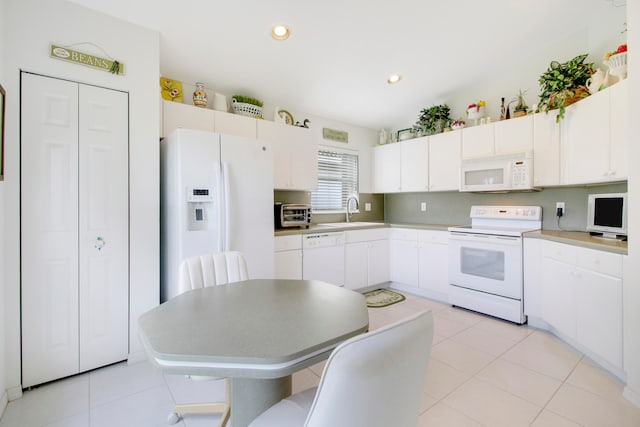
349	213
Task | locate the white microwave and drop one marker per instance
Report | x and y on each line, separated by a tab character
510	172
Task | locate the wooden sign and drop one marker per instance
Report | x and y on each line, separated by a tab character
92	61
335	135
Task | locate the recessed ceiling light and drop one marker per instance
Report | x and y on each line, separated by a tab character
280	32
394	78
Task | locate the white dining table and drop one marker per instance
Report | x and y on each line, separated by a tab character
255	332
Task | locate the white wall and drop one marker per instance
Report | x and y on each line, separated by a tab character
31	25
3	382
631	289
594	32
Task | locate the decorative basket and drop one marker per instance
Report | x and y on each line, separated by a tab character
245	109
618	65
571	96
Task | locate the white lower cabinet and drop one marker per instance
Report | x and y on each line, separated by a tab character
288	257
419	260
403	244
581	297
433	263
366	258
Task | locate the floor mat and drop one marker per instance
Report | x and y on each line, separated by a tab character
382	298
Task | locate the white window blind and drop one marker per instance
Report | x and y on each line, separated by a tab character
337	180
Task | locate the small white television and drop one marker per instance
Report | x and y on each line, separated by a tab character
607	215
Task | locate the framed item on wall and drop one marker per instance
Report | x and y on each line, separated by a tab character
404	134
2	104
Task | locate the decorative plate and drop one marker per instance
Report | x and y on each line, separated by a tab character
284	114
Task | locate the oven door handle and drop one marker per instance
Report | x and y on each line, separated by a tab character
470	237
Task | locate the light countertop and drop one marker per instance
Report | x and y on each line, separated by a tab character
581	238
577	238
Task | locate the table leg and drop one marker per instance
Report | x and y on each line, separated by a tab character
252	396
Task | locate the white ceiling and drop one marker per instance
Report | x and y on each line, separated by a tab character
336	62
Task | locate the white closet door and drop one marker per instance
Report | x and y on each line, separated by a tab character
49	252
103	226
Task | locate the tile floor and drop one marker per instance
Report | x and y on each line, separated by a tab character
482	372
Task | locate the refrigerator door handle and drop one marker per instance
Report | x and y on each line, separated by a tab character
227	208
219	208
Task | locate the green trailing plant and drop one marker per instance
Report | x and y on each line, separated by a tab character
563	84
432	120
247	100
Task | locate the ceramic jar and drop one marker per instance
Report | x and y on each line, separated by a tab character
200	96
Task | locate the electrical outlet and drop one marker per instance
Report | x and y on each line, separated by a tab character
423	206
560	209
367	207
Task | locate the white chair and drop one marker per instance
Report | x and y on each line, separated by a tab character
198	272
372	380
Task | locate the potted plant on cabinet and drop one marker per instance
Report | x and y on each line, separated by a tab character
247	106
521	107
432	120
563	84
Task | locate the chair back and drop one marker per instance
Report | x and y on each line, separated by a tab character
376	379
212	269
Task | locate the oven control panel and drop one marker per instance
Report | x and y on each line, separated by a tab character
507	212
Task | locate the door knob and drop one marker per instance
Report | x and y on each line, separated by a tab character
99	243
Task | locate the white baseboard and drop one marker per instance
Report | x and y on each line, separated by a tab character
436	296
14	393
3	403
632	396
136	357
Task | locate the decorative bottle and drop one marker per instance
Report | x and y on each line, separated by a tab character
200	96
503	111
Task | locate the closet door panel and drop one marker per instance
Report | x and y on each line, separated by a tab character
49	232
103	226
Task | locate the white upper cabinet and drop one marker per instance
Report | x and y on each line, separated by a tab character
504	137
513	135
619	114
585	136
414	165
423	164
386	168
235	124
546	150
178	115
477	141
595	137
444	161
295	155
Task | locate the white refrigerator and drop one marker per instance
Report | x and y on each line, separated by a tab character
216	195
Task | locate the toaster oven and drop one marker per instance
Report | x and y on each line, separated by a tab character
292	215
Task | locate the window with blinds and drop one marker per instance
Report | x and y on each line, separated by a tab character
337	181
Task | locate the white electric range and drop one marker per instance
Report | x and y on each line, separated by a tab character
485	260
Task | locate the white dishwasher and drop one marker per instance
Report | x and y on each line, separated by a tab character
323	257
